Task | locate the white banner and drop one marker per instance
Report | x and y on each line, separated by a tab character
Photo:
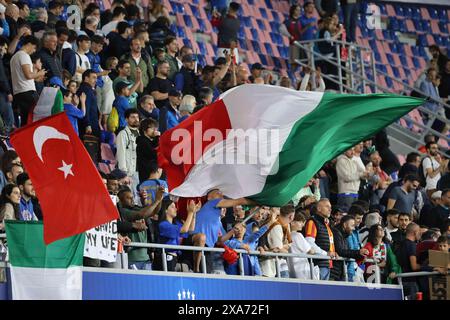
101	242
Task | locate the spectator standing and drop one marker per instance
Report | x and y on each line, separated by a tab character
292	28
121	103
278	240
379	179
389	163
309	27
318	233
171	229
71	108
403	198
357	212
186	79
440	214
349	175
48	54
90	123
432	166
136	60
23	76
444	182
381	252
299	267
208	225
410	166
160	85
124	70
398	236
119	14
55	9
327	7
152	183
171	45
228	26
146	144
391	222
138	258
6	97
170	116
126	148
119	42
83	63
340	235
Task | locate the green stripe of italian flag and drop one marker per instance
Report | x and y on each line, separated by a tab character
296	133
40	272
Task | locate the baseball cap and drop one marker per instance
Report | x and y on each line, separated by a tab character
56	81
174	93
257	66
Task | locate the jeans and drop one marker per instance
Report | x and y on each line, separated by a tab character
346	201
350	20
324	273
325	187
140	265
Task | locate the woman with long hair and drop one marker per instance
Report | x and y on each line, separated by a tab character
171	230
9	208
381	252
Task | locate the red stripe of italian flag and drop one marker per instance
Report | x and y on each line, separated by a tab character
266	142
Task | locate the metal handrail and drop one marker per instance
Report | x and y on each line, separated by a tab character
417	274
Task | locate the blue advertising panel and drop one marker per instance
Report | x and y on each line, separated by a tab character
138	285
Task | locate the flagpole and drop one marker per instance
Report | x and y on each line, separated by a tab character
250	215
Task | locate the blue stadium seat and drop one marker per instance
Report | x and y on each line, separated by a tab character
401	49
415	50
390	58
393	47
383	10
407	72
256	46
263	13
277	63
373	44
261	24
173	28
275	26
421	52
408	12
403	60
393	23
445	42
180	32
438	39
418	25
443	27
187	42
243	44
269	4
396	72
269	49
388	82
442	13
402	26
241	33
254	34
399	10
201	59
387	35
377	56
195	12
251	2
416	14
433	12
202	25
422	40
188	21
416	62
276	17
426	26
247	22
202	48
263	59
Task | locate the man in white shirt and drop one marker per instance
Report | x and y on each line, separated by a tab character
83	64
119	14
432	165
23	77
349	175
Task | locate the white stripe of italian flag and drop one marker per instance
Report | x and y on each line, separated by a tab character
309	129
40	272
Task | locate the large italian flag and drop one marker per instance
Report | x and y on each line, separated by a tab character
296	133
40	272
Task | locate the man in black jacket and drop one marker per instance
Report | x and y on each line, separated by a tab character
6	111
340	233
49	57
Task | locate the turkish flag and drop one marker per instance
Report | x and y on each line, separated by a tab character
69	187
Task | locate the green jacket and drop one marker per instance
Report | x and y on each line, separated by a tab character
145	66
135	254
173	63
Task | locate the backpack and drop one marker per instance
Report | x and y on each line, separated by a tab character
113	120
420	174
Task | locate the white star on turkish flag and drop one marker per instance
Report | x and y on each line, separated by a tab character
67	169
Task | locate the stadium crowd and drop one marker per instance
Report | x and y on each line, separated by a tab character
122	80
